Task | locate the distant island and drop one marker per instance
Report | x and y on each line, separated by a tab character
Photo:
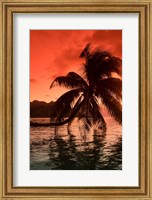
40	109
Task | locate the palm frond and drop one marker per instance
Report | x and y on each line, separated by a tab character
113	85
101	64
71	80
109	66
72	114
97	116
62	106
86	51
90	113
113	105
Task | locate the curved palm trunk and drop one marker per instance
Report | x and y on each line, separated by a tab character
59	123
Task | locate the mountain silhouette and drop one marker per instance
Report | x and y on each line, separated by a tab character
40	109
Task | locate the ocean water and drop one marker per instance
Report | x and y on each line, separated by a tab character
70	148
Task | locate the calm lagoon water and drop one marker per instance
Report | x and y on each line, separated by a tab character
68	148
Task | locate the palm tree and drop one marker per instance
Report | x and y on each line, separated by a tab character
99	85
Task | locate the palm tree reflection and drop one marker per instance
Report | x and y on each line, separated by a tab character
71	153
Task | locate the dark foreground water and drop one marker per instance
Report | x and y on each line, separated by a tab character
69	148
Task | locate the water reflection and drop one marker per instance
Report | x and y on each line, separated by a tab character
67	148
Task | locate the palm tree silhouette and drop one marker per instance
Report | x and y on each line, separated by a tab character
98	86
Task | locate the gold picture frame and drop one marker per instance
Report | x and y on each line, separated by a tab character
7	10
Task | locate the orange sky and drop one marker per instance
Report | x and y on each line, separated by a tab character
56	52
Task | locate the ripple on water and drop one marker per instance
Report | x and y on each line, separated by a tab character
66	148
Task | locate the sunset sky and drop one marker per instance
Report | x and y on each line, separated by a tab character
56	52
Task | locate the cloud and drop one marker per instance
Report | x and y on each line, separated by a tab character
54	53
33	80
108	40
47	95
65	61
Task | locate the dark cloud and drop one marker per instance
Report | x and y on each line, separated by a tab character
106	35
110	40
33	80
64	62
